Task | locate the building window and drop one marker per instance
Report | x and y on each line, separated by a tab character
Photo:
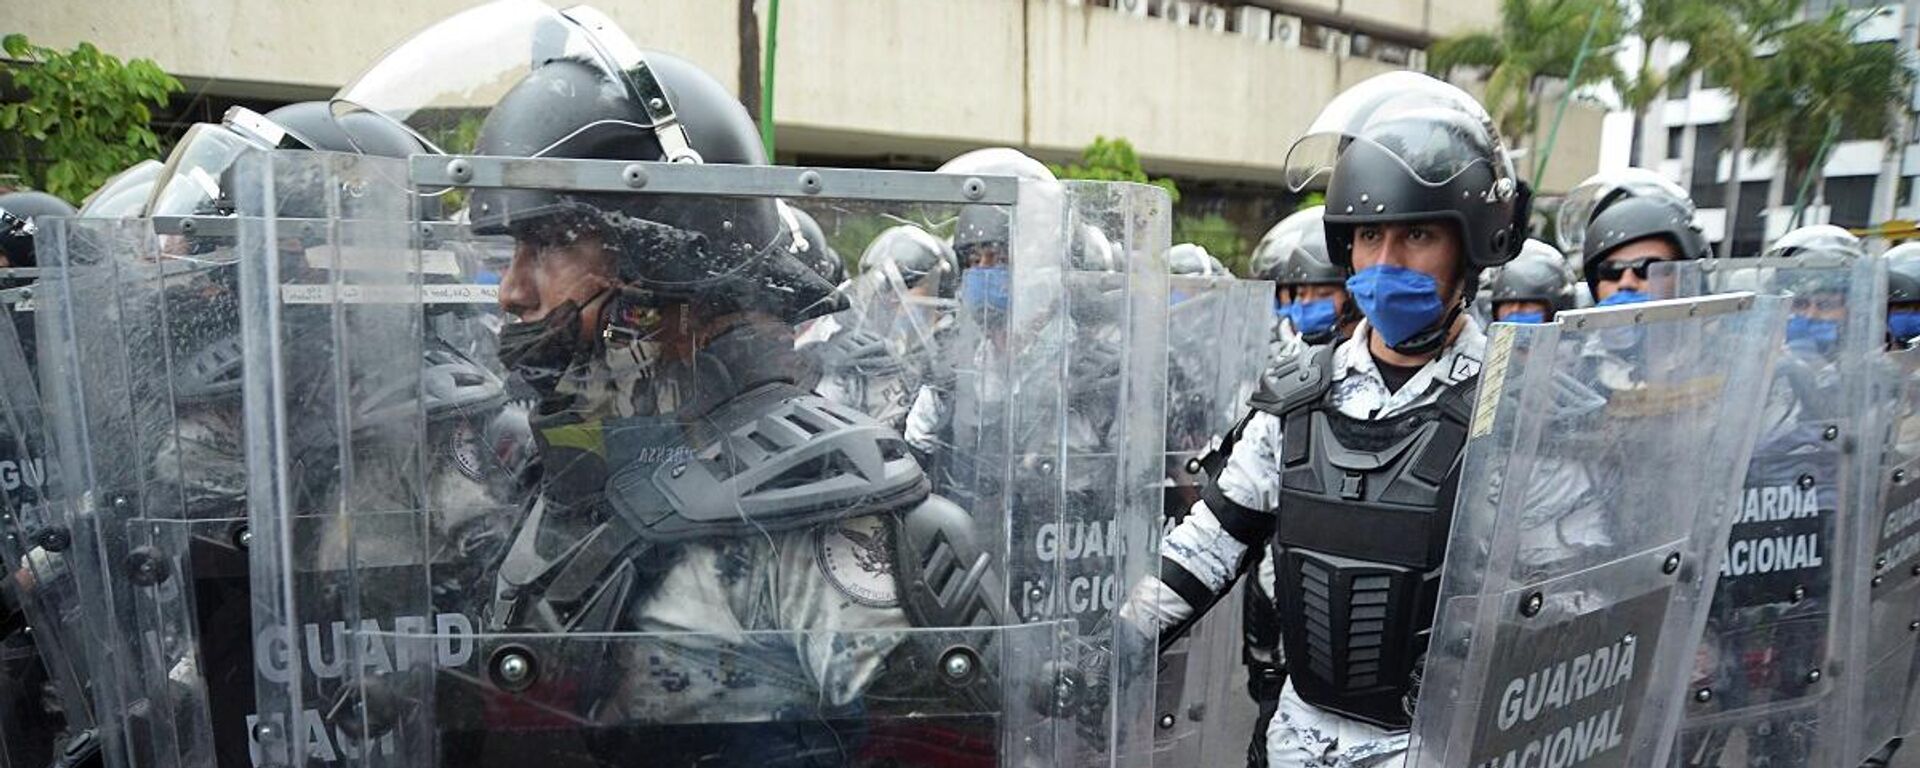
1677	87
1676	141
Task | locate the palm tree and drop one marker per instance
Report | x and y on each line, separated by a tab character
1725	41
1536	40
1654	21
1819	85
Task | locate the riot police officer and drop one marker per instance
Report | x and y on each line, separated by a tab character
1311	292
1421	197
1532	287
1631	234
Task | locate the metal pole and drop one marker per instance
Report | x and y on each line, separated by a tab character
766	76
1579	60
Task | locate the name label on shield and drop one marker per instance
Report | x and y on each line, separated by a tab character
1777	528
326	648
1572	691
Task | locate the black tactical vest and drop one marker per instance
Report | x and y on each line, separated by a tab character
1365	507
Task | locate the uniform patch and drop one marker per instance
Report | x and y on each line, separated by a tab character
857	558
464	446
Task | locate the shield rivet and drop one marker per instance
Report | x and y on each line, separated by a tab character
1877	580
1046	467
1035	593
1799	593
1831	433
1879	563
1166	721
1813	676
1899	475
678	470
810	182
657	103
243	537
1193	466
1805	482
1913	626
54	539
514	668
958	665
460	170
634	175
264	732
1629	639
973	188
1531	606
1671	564
146	567
1703	695
1915	570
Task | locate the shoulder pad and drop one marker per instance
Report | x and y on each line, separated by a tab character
1295	381
948	579
773	459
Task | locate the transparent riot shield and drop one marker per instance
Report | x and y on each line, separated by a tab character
1780	670
1217	334
43	707
1887	708
879	353
139	335
1601	465
677	552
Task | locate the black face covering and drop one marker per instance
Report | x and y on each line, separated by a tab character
541	352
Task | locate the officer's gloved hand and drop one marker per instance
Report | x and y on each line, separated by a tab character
1080	685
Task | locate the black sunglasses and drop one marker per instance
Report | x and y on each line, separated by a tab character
1609	271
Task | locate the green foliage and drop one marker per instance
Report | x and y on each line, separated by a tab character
1819	82
1218	235
1535	39
1312	199
1112	160
85	115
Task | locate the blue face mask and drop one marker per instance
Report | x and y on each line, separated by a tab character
1311	317
1527	318
1814	332
1279	309
1624	297
1398	302
984	288
1904	325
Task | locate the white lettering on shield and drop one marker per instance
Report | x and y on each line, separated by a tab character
1540	692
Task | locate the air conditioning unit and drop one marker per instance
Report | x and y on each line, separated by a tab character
1213	18
1256	23
1338	44
1286	30
1180	12
1132	7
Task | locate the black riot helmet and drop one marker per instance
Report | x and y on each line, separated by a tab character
1294	252
723	251
1638	218
546	83
1539	273
916	255
1404	147
17	230
1599	192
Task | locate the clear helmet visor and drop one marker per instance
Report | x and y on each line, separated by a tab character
1586	200
190	183
1433	129
125	194
1819	244
441	82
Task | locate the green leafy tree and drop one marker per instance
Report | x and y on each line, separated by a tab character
1725	41
1112	160
1821	84
1683	21
1216	234
85	115
1536	41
